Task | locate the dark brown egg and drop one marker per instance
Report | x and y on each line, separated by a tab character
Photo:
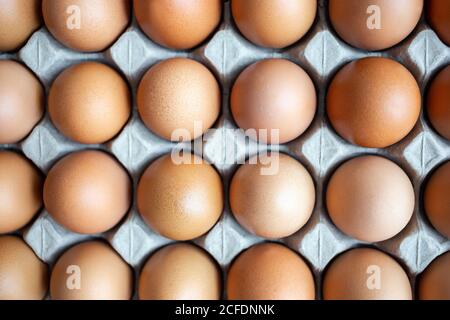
434	282
374	102
439	17
438	103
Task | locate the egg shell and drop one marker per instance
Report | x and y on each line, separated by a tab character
89	103
272	195
370	198
177	95
384	104
18	20
366	274
438	104
22	102
439	18
274	23
434	282
180	272
180	201
22	275
374	24
86	25
102	274
20	191
87	192
274	94
178	24
270	271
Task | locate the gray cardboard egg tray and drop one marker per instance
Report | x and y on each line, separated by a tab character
321	53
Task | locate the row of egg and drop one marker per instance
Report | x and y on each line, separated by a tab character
371	102
182	271
365	24
369	198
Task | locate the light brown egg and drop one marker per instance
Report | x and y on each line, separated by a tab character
89	103
439	17
374	24
366	274
180	201
91	271
86	25
272	195
274	23
270	272
438	103
20	191
22	275
87	192
22	101
180	272
178	24
384	104
179	99
18	20
274	94
370	198
434	282
437	200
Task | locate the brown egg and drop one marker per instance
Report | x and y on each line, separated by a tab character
437	200
274	23
274	94
87	192
370	198
178	24
18	20
177	95
270	271
22	275
20	191
434	282
366	274
438	103
384	104
272	195
180	201
374	24
89	103
22	101
91	271
180	272
86	25
439	17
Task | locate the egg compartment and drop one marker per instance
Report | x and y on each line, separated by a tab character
321	53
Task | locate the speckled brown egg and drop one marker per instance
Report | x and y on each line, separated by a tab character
374	24
22	275
178	24
274	100
373	102
18	20
86	25
366	274
370	198
437	200
274	23
272	195
270	272
179	99
439	18
434	282
181	201
180	272
87	192
89	103
438	107
91	271
22	101
20	191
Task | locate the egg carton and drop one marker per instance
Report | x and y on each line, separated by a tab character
321	53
